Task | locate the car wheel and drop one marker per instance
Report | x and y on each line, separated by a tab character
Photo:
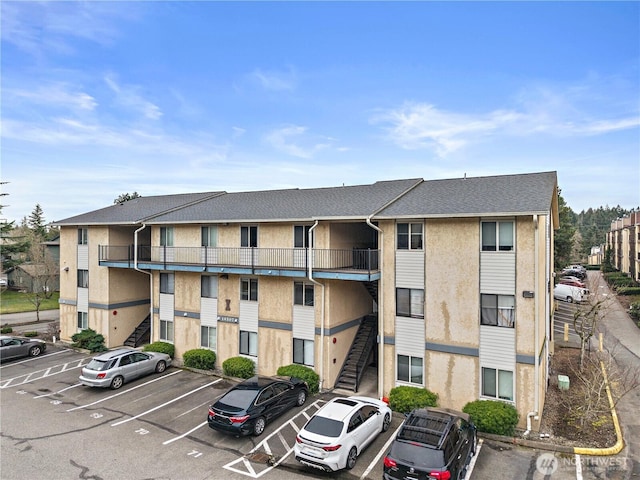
258	427
351	458
161	366
569	299
117	382
386	422
35	351
302	397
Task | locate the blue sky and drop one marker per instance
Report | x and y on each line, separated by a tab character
103	98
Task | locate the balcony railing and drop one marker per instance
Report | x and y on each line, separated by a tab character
276	258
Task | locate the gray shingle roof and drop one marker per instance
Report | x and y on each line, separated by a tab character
136	210
288	205
410	198
474	196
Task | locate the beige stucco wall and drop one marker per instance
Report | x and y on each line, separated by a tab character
450	377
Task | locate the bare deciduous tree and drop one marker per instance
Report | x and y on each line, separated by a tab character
44	271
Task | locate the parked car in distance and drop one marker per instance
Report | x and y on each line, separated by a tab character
432	443
16	347
336	434
572	281
570	293
247	407
116	367
574	273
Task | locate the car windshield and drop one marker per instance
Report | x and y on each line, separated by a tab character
239	398
324	426
96	364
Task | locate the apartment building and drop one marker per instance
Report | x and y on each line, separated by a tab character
623	240
442	284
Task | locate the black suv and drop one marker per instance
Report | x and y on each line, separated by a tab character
433	443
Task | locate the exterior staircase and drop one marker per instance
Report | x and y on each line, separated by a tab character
358	357
141	334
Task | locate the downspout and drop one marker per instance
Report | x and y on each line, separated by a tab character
380	310
536	335
135	267
310	277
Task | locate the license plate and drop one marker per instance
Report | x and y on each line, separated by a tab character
314	452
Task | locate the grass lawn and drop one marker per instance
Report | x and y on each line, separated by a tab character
15	302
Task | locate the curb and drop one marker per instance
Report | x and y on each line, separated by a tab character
605	451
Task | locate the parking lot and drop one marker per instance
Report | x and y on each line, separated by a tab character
156	427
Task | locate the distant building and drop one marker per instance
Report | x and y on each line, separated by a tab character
624	242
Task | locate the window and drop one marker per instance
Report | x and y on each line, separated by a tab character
249	289
497	383
301	236
210	236
83	278
303	294
83	236
497	236
409	236
167	283
303	351
166	330
410	369
249	236
209	286
410	302
248	343
83	320
208	337
166	236
498	310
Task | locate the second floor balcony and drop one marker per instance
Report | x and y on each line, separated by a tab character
346	264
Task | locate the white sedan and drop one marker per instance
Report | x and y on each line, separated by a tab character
334	437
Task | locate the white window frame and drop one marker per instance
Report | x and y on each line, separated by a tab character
206	287
209	236
248	236
166	236
252	343
303	294
83	320
308	347
411	376
247	291
208	329
83	236
415	232
167	283
83	278
504	239
501	385
498	310
416	302
166	330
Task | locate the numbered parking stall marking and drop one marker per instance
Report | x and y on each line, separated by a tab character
275	448
40	374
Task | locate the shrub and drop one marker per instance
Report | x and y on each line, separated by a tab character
405	398
634	311
305	373
6	330
240	367
161	347
492	416
31	334
90	340
628	290
200	358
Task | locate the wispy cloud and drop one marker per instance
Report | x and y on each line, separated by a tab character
129	97
59	95
275	80
538	111
293	140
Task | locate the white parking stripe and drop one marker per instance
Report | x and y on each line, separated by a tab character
27	377
578	468
472	463
125	391
185	434
382	451
165	404
59	391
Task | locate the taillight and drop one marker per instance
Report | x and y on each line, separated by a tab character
212	413
390	462
239	419
298	439
101	375
331	448
440	475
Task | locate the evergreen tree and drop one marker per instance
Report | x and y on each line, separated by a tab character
564	237
125	197
36	222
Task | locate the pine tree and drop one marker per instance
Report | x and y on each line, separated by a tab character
36	222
